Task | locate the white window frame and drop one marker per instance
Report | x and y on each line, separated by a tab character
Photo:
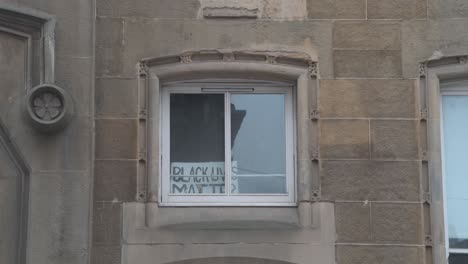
448	91
228	87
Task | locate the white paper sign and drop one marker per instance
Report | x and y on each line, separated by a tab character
199	178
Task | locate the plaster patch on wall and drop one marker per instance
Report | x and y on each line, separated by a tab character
268	9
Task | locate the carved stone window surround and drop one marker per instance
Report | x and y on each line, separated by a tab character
432	73
289	67
311	222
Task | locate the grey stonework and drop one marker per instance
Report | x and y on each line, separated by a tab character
368	127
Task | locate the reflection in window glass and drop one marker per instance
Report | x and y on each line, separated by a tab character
197	144
258	143
458	258
455	129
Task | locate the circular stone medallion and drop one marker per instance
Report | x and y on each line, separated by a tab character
49	107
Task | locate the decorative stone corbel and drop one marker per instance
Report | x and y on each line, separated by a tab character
186	58
313	69
462	59
422	69
314	114
142	69
270	59
316	195
228	57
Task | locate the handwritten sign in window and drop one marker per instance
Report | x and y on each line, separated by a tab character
200	178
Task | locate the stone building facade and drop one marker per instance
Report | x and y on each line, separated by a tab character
81	123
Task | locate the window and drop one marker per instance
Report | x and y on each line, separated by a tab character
454	97
227	143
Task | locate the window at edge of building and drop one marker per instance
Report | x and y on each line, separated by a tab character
454	118
227	143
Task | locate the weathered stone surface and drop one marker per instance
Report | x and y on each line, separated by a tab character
422	40
75	75
271	9
265	252
115	180
116	98
367	63
74	27
59	187
229	12
353	222
379	254
447	9
215	34
109	62
396	9
394	139
248	4
148	8
340	9
110	32
64	151
109	46
11	181
370	180
116	138
107	223
341	139
397	223
280	9
106	255
375	98
227	260
373	35
59	217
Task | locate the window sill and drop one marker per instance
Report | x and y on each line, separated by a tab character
224	218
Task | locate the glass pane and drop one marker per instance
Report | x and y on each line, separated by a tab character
455	128
458	258
197	144
258	143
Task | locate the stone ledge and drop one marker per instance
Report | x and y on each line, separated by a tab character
147	223
229	12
